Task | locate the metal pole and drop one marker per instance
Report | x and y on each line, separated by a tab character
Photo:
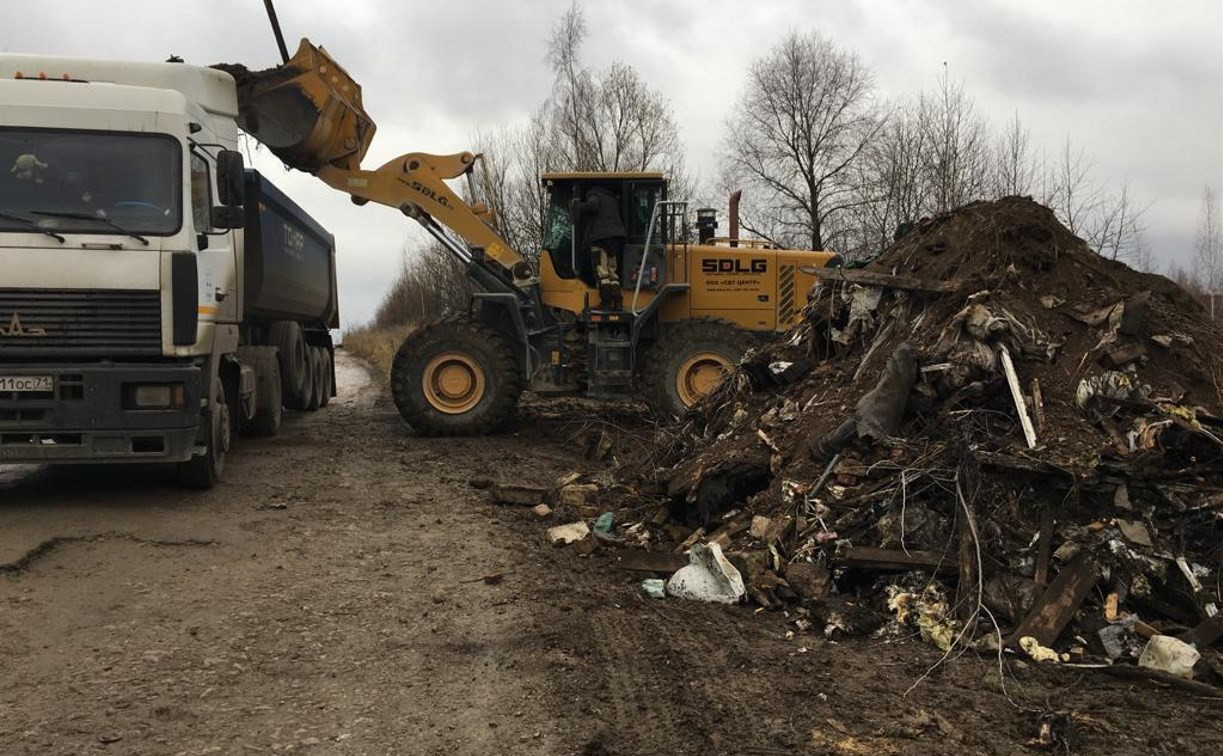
280	39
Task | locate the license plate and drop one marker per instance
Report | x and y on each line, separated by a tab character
24	383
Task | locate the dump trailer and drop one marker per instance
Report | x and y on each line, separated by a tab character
157	297
682	311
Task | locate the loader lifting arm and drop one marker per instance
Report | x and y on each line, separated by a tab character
308	111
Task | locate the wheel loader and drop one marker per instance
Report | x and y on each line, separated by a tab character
688	310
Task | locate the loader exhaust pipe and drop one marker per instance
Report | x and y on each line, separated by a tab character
734	217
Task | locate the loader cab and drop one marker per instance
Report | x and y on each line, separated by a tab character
638	193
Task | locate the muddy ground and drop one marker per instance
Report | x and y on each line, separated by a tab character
326	599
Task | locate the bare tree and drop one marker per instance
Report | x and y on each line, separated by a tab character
1013	169
888	180
430	285
955	146
1208	248
608	120
1071	192
1115	227
805	119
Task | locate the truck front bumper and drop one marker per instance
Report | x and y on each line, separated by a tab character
89	414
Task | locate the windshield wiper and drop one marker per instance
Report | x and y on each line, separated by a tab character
98	218
33	226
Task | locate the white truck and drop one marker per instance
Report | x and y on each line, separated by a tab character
156	298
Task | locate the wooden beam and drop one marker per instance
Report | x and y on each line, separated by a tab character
1206	633
1057	605
873	278
895	560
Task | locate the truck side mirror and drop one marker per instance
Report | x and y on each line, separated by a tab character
230	168
227	216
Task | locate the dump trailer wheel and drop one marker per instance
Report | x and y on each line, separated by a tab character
328	377
455	378
302	400
270	409
205	470
689	361
316	378
289	340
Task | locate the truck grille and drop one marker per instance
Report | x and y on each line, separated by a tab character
71	323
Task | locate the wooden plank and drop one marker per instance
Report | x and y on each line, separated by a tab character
1057	605
873	278
1044	546
969	584
865	557
638	560
1012	380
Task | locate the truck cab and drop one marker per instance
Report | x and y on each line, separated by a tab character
120	240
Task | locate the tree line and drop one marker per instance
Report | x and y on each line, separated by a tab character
824	159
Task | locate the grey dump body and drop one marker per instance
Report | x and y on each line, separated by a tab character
289	260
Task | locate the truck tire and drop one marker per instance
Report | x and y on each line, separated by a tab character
456	378
270	407
289	340
689	361
328	377
302	400
317	363
205	470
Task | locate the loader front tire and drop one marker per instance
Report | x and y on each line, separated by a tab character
689	362
455	378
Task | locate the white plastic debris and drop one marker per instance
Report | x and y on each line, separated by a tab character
1171	655
709	576
565	534
654	587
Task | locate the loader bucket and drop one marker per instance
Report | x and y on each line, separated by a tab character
308	111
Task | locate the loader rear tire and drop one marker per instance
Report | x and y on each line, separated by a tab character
689	362
456	378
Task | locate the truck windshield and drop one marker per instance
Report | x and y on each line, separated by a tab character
89	182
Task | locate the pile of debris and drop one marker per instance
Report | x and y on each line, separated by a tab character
989	435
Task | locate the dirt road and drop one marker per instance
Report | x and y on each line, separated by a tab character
325	599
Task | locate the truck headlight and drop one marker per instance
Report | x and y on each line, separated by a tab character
155	396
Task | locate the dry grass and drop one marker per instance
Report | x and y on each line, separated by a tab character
377	345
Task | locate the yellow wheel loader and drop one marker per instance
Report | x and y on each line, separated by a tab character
686	311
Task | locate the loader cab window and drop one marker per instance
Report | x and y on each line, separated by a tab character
641	200
558	234
73	181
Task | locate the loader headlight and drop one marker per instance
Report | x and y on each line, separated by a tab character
155	396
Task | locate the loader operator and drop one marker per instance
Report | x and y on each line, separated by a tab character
598	225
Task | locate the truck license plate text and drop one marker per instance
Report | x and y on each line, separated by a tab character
21	383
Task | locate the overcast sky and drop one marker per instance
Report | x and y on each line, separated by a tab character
1137	83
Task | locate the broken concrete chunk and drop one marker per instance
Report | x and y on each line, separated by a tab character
1168	654
576	495
809	581
709	576
760	526
566	534
543	510
526	496
1134	532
